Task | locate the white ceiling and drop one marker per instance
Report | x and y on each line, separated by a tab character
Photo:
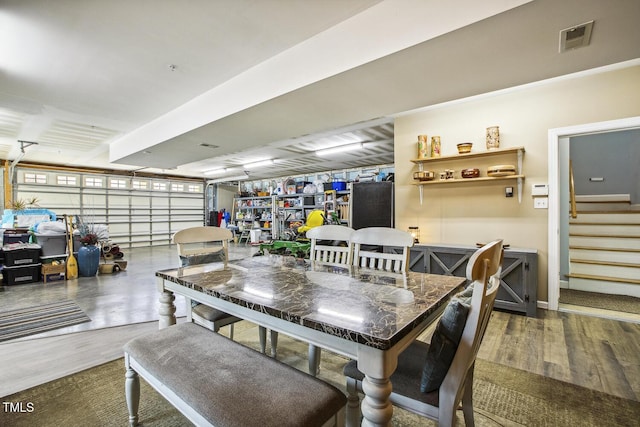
91	81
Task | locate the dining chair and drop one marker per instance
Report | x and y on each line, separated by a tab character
424	382
198	245
364	256
330	244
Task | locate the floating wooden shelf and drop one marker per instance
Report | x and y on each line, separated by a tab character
519	177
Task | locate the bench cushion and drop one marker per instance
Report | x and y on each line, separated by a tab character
233	385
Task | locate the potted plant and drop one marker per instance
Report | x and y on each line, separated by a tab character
89	252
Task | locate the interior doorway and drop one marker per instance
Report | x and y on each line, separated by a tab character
559	154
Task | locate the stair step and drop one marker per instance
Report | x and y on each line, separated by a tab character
613	272
630	210
586	198
604	255
604	235
605	242
601	223
603	278
611	263
603	285
603	206
604	228
600	248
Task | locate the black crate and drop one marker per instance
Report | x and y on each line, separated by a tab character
8	238
20	275
21	254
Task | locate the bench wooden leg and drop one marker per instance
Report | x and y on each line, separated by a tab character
274	344
353	403
262	335
314	360
132	392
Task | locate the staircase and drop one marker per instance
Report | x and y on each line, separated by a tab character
604	245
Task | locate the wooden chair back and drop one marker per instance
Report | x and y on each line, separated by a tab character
330	253
381	236
202	241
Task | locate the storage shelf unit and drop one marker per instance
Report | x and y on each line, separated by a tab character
285	209
514	151
248	210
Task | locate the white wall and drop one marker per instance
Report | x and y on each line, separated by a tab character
479	212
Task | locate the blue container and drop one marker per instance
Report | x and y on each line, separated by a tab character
339	185
88	260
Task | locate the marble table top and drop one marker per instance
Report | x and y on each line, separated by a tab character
367	306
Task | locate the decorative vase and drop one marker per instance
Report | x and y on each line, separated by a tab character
423	147
88	260
435	146
493	138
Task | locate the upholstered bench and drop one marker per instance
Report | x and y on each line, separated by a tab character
213	380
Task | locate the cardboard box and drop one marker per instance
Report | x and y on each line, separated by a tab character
52	273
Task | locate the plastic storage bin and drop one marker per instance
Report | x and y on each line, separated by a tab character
9	237
52	244
20	275
21	254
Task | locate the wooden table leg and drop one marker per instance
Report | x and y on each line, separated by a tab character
167	309
377	410
377	366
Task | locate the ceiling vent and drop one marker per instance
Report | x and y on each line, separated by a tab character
575	37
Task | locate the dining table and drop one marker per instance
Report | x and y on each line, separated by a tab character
367	315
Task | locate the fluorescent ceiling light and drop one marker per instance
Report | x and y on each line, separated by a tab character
258	164
339	149
228	178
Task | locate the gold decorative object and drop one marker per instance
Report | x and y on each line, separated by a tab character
501	170
424	175
423	147
435	146
464	147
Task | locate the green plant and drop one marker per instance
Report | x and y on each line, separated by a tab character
22	204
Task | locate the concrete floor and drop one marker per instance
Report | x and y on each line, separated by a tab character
118	299
121	306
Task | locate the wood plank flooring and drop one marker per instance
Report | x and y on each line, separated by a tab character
602	354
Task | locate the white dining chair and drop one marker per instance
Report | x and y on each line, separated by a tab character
198	245
330	244
365	256
432	379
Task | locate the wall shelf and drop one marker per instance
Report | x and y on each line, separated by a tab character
519	176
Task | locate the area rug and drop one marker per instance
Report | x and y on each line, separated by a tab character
40	318
627	304
502	397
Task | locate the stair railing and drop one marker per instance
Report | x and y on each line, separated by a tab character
572	192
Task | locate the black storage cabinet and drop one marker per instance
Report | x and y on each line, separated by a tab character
518	282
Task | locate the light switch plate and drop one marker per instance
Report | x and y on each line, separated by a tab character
541	203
